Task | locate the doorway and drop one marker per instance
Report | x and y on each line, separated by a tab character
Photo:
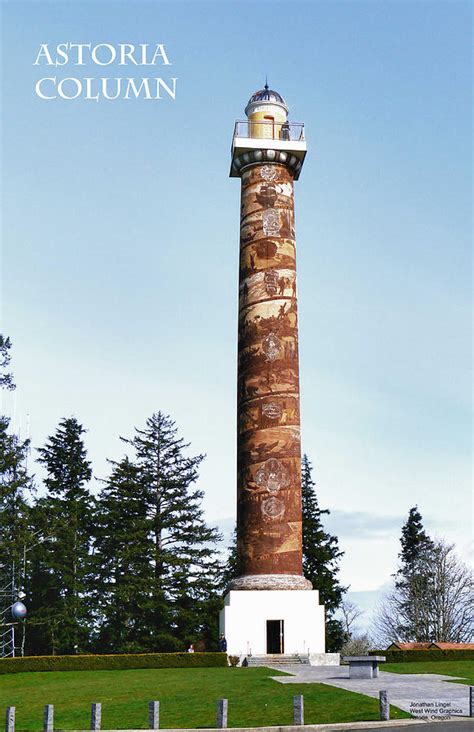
275	636
269	127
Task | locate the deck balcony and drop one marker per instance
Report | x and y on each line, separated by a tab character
252	135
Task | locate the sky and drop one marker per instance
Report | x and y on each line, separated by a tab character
120	239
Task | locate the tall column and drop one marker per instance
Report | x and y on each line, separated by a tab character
268	444
269	607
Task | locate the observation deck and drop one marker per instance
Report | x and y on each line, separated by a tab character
260	141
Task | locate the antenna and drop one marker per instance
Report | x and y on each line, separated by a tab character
28	450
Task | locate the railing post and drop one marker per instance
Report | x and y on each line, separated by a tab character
298	709
10	720
471	701
384	706
48	718
96	716
222	714
154	715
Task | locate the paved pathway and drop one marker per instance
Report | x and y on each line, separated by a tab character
404	690
434	727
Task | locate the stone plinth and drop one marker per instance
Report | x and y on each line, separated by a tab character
271	582
364	667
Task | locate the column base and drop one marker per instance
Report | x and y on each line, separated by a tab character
252	619
271	582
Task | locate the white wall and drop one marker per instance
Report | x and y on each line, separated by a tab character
243	620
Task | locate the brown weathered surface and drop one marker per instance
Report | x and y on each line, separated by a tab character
269	453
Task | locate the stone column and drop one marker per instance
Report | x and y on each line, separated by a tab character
268	446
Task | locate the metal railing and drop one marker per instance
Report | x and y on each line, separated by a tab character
268	130
7	641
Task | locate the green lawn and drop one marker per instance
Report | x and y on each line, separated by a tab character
464	669
188	698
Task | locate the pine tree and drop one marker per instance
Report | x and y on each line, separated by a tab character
6	378
123	555
230	569
171	585
15	487
432	602
413	540
412	583
61	564
321	555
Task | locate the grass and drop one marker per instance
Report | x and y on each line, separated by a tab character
464	669
188	698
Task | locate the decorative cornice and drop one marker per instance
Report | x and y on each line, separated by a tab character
270	582
262	155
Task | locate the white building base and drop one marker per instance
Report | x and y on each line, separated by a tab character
296	615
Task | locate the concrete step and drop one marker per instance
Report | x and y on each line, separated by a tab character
280	659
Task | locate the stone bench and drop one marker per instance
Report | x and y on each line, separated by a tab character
364	667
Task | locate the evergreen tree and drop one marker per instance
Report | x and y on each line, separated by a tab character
123	555
61	564
45	608
230	571
412	582
321	555
16	490
413	539
16	486
6	378
171	583
430	602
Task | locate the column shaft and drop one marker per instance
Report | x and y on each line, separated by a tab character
268	449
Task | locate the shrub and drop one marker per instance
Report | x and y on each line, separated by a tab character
111	662
425	655
356	646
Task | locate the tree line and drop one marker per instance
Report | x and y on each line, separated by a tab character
133	567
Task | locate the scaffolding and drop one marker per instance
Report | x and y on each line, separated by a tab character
7	629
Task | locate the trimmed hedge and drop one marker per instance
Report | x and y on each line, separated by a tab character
111	662
464	654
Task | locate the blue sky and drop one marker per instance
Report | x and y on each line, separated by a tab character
120	246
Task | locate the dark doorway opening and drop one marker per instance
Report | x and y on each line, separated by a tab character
275	636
